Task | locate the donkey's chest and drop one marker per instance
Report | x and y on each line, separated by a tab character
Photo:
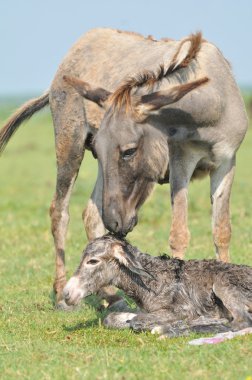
207	152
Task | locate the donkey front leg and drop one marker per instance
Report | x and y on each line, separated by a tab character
92	218
136	320
221	184
92	215
182	164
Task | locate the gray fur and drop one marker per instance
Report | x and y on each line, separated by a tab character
175	295
199	133
162	133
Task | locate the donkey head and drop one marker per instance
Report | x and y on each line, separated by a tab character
100	265
132	151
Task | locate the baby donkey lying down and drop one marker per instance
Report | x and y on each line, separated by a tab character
175	296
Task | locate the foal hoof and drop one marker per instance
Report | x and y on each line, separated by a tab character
116	320
157	330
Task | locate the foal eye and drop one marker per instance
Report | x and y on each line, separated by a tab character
92	261
128	153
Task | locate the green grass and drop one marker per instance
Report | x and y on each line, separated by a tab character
37	342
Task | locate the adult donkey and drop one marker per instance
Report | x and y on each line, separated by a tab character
142	139
151	132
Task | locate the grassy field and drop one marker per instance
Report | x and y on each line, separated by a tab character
37	342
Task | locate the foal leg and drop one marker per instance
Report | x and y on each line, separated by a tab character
202	325
221	184
237	303
137	320
70	134
119	320
148	321
182	163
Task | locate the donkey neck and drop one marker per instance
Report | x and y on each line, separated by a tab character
132	284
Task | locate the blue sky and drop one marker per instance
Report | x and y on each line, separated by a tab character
35	35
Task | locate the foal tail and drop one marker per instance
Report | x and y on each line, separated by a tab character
21	114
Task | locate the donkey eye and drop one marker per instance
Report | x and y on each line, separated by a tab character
128	153
93	261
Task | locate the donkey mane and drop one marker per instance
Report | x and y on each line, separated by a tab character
149	37
122	95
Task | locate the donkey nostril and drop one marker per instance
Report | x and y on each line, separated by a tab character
113	227
116	225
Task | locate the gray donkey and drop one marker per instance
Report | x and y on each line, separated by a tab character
165	111
176	296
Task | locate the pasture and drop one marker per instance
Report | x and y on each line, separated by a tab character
37	342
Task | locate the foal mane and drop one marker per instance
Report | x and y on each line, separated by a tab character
122	95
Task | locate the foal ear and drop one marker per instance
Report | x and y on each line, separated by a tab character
128	260
97	95
159	99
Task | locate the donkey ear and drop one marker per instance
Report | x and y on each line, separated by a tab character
97	95
129	261
159	99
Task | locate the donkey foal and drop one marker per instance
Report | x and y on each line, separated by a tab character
176	297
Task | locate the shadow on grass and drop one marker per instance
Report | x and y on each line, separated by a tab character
82	326
93	302
52	297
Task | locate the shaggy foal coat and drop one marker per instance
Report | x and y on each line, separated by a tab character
175	296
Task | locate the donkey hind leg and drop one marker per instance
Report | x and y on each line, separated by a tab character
70	134
60	218
238	305
202	325
221	184
182	164
92	215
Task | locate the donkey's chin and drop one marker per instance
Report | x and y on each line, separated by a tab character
72	292
74	299
132	223
128	226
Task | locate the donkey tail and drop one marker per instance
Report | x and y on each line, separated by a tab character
21	114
